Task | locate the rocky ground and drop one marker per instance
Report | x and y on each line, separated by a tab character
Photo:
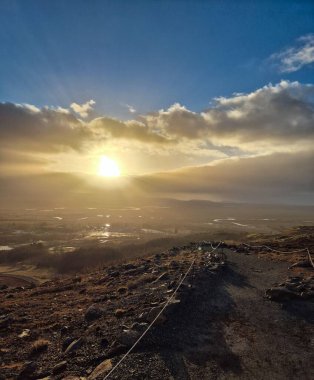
251	318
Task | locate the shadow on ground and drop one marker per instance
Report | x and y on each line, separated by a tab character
193	335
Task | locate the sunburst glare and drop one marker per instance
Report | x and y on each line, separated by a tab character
108	167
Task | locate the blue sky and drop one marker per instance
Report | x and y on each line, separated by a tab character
149	54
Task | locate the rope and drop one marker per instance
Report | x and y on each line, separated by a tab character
155	319
310	257
275	250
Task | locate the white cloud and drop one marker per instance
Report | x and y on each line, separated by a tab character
29	107
272	117
83	109
294	58
130	108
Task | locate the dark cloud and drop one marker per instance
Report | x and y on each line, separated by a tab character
280	176
47	130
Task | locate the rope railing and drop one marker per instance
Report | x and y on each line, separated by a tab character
157	316
276	250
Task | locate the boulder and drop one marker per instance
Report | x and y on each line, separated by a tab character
128	337
94	312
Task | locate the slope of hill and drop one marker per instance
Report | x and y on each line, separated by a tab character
219	324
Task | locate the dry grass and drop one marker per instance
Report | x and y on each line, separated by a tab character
133	284
40	345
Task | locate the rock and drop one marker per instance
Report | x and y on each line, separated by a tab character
5	321
60	367
114	274
116	349
141	269
307	294
67	341
25	333
75	345
280	294
152	314
101	370
174	264
64	330
171	306
129	266
139	326
27	370
119	313
128	337
94	312
102	298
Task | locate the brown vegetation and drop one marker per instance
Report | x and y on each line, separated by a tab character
40	345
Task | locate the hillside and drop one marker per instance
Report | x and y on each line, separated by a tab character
245	317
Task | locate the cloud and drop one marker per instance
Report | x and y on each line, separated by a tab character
132	129
83	109
178	121
27	128
275	114
131	109
277	177
294	58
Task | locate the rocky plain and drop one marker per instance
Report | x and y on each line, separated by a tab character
240	313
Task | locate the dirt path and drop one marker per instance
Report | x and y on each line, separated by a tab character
225	329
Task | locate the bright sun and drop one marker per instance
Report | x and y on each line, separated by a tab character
108	167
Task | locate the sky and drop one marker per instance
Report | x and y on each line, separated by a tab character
169	90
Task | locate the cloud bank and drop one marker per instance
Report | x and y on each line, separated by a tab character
265	139
280	177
